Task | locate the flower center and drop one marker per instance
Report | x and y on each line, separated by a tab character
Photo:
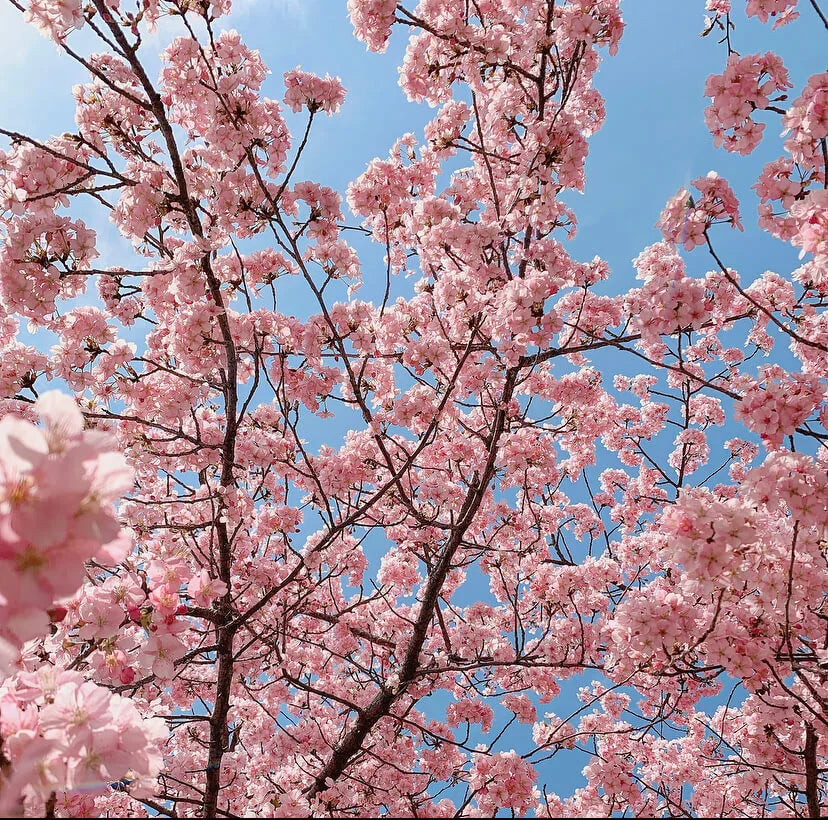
20	491
30	560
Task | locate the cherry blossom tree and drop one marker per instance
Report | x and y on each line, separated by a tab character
382	623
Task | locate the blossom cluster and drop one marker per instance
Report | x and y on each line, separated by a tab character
64	733
60	731
57	486
747	85
306	90
686	219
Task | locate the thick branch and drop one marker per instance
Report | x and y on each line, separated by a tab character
381	705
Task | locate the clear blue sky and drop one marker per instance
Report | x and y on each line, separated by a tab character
654	140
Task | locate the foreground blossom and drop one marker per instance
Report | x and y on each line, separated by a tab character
60	731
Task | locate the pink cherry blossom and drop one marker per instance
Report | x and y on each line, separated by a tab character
312	528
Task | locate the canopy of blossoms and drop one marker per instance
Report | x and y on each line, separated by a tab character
550	483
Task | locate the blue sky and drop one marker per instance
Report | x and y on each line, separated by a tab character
654	140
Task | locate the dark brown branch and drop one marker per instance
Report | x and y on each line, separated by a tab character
811	772
384	700
821	14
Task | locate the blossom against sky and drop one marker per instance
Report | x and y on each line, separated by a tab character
653	142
